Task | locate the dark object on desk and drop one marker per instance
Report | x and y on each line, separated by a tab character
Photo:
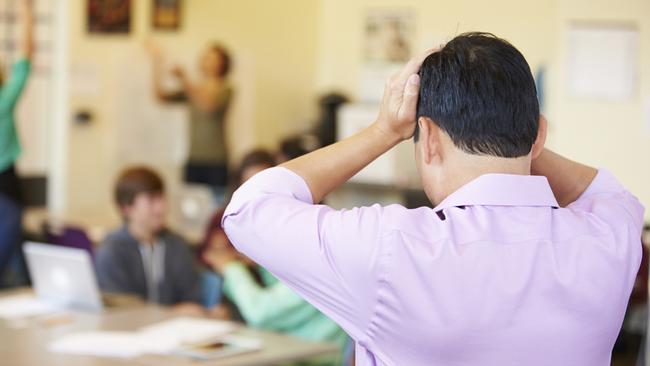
297	146
28	191
327	121
34	190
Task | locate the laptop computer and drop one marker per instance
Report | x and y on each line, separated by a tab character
63	276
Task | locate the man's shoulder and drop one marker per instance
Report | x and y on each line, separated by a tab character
396	217
117	240
173	241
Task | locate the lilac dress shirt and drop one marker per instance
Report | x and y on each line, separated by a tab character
497	274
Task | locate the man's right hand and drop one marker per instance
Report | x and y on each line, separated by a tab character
398	109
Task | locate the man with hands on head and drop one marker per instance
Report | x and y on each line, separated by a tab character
508	268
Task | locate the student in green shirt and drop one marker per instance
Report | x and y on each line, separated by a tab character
11	88
263	301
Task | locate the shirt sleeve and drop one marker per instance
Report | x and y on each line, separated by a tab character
11	91
275	307
331	258
608	200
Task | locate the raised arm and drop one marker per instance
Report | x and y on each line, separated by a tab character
327	168
568	178
15	84
157	67
207	96
27	20
332	258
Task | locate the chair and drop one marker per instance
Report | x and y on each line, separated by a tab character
68	236
211	291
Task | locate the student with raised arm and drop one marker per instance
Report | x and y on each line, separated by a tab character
208	100
509	268
11	88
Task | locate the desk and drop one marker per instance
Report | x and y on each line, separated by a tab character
28	345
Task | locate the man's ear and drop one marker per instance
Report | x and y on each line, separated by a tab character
429	140
538	146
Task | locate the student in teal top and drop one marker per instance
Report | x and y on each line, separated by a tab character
263	301
10	91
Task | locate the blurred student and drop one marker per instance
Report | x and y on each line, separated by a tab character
208	100
270	304
11	89
143	258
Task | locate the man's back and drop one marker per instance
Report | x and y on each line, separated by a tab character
503	277
499	287
496	274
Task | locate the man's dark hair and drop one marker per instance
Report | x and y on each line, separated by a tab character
135	181
479	89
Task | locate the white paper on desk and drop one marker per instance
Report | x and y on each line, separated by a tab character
172	333
23	306
104	344
161	338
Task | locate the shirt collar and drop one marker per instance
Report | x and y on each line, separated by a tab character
502	190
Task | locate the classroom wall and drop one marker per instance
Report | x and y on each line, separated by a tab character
614	135
604	134
274	49
288	51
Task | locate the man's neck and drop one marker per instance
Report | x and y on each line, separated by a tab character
466	168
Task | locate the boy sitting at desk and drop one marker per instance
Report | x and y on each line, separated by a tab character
143	258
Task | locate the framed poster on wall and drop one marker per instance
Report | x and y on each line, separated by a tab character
109	16
166	14
388	36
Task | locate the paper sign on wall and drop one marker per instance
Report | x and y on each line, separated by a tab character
602	61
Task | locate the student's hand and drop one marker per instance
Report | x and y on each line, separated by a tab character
398	106
189	308
178	72
219	258
27	45
219	312
219	240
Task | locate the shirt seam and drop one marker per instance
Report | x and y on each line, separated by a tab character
384	265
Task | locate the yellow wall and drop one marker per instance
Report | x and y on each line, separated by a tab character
606	134
289	50
274	48
603	134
